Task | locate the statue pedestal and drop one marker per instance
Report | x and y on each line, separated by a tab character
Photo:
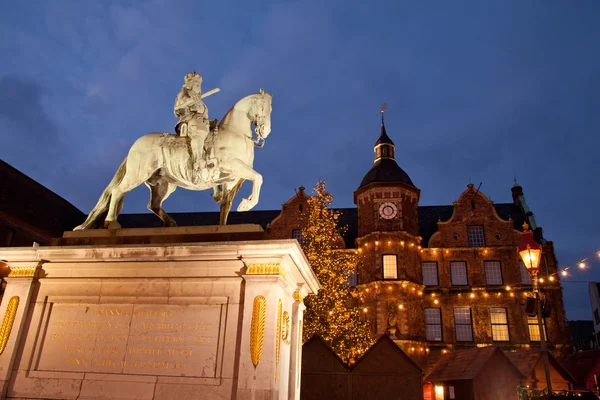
155	314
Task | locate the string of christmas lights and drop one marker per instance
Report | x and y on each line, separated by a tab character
581	265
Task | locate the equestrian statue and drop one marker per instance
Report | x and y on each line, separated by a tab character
200	155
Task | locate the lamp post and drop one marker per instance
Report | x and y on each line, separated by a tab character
531	254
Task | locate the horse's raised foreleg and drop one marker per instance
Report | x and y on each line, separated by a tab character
241	170
159	191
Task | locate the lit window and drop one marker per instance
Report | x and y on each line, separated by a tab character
534	329
499	324
433	324
525	277
596	316
476	237
390	266
430	276
462	325
458	272
493	272
297	234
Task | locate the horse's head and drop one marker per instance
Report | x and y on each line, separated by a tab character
259	113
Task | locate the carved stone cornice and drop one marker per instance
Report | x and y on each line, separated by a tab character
23	272
265	269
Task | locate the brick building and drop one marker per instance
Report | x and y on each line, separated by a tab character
440	278
434	278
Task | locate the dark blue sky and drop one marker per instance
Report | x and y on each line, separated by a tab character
476	91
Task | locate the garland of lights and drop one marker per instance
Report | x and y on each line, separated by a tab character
580	265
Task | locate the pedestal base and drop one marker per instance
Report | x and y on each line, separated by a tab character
151	314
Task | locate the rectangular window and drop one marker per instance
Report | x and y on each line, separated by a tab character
596	316
525	277
462	325
458	273
433	324
9	238
493	272
430	275
297	234
499	324
390	266
534	329
353	280
476	237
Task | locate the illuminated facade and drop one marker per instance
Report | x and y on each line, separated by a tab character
434	278
440	278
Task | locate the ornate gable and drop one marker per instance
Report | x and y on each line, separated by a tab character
474	223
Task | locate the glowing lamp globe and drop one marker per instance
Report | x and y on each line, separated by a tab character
530	250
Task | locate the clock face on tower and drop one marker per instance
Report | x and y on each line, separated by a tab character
388	210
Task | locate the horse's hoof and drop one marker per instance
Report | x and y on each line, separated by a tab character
245	205
112	225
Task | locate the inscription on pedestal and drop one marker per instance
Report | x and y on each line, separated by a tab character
132	339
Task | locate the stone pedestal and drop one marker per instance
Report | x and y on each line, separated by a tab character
154	314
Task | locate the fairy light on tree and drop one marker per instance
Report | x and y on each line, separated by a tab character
332	313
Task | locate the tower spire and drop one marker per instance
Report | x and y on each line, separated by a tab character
382	110
384	148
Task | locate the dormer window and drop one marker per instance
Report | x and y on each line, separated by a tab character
476	236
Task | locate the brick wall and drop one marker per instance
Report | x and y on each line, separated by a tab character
293	216
369	198
451	243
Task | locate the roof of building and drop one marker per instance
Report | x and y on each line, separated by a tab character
526	360
35	204
461	364
383	137
385	170
428	219
581	364
381	341
149	220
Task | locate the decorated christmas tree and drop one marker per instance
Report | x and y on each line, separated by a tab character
332	313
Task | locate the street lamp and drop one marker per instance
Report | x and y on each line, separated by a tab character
531	254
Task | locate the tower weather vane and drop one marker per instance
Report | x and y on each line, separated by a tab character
382	110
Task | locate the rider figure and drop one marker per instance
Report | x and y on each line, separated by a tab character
193	121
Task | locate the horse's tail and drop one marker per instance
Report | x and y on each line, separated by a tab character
104	201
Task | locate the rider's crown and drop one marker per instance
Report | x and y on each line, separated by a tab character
193	77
